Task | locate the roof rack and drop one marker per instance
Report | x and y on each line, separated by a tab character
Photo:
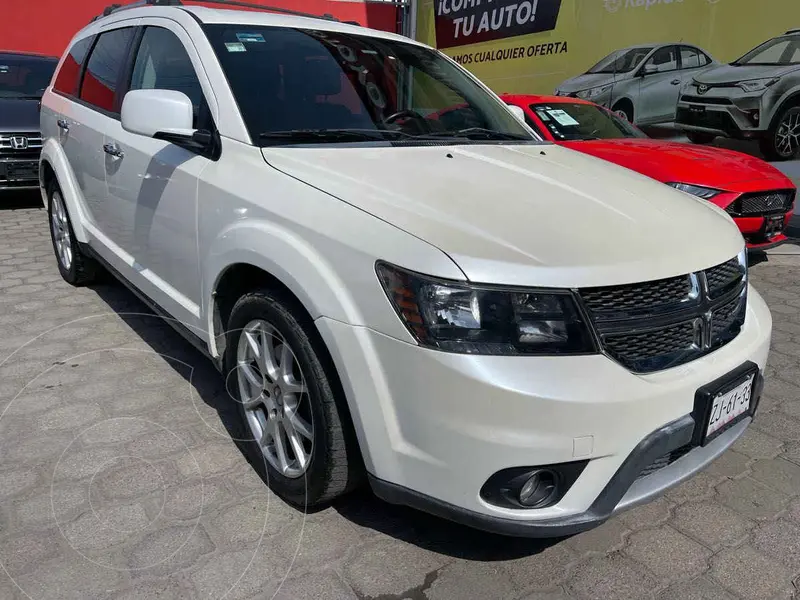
236	3
792	31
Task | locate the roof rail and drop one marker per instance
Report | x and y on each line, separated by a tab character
234	3
792	31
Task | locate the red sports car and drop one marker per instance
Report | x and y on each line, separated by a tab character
757	195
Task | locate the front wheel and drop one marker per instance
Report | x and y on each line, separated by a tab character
297	433
782	141
75	267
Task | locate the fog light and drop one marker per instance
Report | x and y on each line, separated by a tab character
539	489
753	115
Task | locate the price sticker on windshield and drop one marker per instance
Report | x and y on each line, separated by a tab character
562	117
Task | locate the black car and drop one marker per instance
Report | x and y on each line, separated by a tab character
23	79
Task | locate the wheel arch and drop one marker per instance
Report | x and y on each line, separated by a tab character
790	100
53	166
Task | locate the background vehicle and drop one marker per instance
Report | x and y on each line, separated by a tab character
755	97
23	79
640	83
272	184
757	195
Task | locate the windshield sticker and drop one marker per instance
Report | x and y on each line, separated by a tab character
562	117
250	37
235	47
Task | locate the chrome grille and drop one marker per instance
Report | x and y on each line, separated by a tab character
762	203
20	144
656	325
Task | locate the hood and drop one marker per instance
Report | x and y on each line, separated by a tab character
685	163
19	116
524	214
588	80
734	73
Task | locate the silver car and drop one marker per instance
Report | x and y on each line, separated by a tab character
640	83
754	97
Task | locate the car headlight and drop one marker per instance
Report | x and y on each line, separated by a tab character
593	92
706	193
478	319
757	85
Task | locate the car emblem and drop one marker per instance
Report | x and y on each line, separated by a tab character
702	88
19	142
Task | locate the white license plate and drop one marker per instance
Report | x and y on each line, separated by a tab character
726	407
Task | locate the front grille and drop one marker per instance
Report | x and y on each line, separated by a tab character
756	204
626	298
20	145
656	325
706	100
665	460
710	119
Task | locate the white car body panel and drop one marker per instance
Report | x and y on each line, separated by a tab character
172	223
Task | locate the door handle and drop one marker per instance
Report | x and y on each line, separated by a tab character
113	150
62	124
675	81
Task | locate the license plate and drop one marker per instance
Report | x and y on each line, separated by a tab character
727	406
773	225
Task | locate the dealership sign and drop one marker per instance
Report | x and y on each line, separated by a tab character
462	22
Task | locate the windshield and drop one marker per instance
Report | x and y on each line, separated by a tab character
574	121
25	76
621	61
303	87
784	50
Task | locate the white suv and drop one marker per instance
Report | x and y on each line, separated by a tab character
400	282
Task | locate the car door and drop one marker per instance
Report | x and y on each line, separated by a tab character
152	183
659	85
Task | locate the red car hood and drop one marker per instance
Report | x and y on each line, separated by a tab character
686	163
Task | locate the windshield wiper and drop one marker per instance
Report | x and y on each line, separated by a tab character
301	136
479	133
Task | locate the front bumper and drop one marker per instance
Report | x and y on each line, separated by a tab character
434	426
19	173
724	111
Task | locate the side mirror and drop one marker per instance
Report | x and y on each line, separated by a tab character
649	69
518	112
158	112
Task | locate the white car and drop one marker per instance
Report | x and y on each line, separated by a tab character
487	327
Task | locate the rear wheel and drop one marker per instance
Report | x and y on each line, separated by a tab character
75	267
296	429
782	141
697	137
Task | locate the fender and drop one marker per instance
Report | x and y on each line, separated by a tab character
53	155
288	258
791	96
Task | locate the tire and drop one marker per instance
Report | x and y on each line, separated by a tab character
624	109
782	141
697	137
334	465
75	267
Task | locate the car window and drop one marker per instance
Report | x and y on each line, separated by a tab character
577	121
691	58
621	61
664	59
67	78
287	80
163	64
24	76
777	51
105	67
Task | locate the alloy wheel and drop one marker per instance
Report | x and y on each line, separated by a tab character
787	137
272	390
59	223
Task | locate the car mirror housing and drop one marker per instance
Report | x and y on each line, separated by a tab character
158	112
648	70
518	112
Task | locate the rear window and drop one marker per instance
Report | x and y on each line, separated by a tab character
24	76
67	78
104	69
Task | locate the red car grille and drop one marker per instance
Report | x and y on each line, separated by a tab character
757	204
